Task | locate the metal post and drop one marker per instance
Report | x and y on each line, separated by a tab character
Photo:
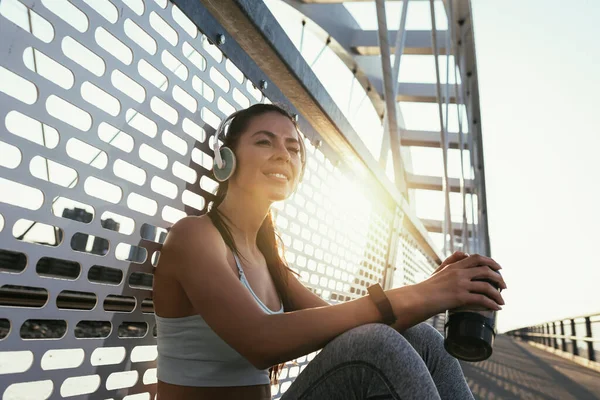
390	96
443	134
399	50
590	344
562	332
574	334
554	333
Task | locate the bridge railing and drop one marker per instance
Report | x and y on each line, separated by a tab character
578	337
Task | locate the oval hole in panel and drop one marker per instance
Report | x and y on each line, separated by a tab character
210	118
113	46
193	200
105	275
121	380
67	112
156	254
73	210
83	56
24	17
240	98
142	204
141	280
203	89
89	244
127	252
105	8
208	184
217	77
174	142
48	170
183	172
254	92
163	28
133	329
115	137
224	106
192	129
33	130
185	99
37	232
152	75
92	329
117	303
144	353
14	362
103	190
23	296
153	233
17	87
153	156
80	385
68	13
46	67
12	261
147	306
184	22
74	300
150	377
101	99
164	110
164	187
141	123
11	155
171	215
107	356
193	55
86	153
42	389
128	86
58	268
234	71
43	329
117	223
212	49
174	65
140	36
62	359
129	172
137	6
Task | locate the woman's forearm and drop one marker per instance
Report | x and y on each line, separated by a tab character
291	335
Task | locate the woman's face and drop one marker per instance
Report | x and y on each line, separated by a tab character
268	157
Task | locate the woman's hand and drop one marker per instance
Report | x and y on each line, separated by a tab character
456	283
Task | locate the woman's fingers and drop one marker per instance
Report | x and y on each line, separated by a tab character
478	273
477	260
486	289
456	256
483	301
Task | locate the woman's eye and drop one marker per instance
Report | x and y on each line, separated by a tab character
295	151
263	142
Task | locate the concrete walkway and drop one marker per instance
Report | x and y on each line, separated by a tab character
517	370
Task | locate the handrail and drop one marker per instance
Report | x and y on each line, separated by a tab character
546	335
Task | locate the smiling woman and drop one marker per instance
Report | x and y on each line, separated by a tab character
230	312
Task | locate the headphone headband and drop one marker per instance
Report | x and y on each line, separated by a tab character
221	132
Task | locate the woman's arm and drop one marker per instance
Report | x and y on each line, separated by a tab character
198	255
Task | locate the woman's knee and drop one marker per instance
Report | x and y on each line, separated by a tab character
370	341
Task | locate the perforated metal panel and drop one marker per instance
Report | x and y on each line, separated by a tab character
107	110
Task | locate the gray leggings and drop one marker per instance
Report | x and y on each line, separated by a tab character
374	361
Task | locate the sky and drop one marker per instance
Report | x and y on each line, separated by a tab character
538	81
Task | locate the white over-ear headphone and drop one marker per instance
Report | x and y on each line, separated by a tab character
224	163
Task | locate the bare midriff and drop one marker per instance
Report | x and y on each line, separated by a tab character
167	391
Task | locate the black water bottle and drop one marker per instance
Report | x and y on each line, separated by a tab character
469	332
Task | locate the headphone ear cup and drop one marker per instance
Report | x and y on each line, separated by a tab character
226	172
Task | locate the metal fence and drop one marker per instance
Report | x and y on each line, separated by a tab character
107	111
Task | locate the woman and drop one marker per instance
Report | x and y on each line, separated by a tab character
229	311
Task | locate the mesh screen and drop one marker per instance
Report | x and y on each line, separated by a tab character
107	110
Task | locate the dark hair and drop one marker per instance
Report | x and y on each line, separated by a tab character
268	240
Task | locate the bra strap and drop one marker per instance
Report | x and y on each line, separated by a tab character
237	264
